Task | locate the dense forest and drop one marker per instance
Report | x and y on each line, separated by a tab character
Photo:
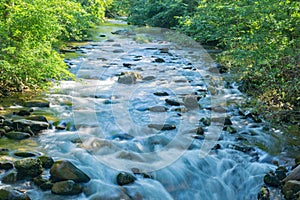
259	40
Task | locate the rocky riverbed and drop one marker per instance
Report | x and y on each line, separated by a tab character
150	118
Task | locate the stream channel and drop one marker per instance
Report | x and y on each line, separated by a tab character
153	103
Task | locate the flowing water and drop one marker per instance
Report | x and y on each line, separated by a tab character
129	127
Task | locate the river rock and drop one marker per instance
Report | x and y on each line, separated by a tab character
264	194
125	178
6	165
161	93
229	129
64	170
158	109
8	193
227	121
10	178
38	118
68	187
37	103
1	116
272	179
28	168
162	127
23	113
172	102
294	175
15	135
159	60
291	189
205	121
35	126
47	161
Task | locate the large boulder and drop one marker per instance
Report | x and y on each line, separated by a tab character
64	170
28	167
68	187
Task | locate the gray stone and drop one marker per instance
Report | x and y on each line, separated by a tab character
125	178
64	170
294	175
127	79
28	168
68	187
15	135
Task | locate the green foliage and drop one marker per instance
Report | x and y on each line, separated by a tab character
260	41
160	13
29	30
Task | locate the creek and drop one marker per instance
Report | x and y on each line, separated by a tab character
153	103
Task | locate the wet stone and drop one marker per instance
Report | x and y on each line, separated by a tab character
10	178
161	93
272	179
47	161
162	127
8	193
227	121
124	178
15	135
264	194
28	168
291	190
172	102
6	165
159	60
23	113
37	103
68	187
65	170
